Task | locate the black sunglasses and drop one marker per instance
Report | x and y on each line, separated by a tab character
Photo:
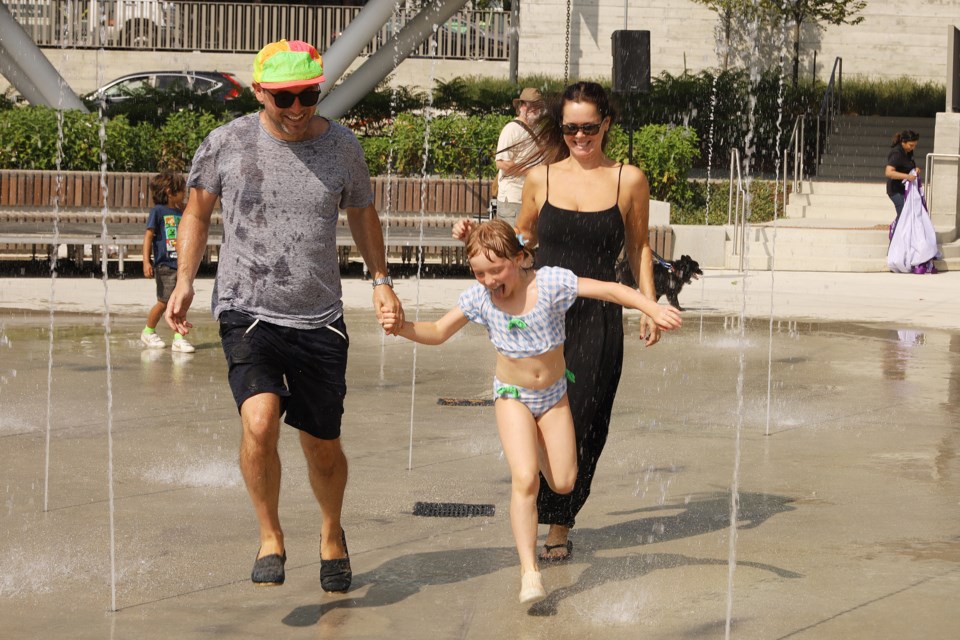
590	129
284	99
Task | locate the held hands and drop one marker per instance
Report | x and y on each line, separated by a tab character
389	310
391	322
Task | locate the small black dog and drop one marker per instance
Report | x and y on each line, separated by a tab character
668	277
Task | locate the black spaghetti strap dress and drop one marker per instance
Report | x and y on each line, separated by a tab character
587	243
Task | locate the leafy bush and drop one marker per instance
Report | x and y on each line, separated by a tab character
487	96
377	109
6	102
718	107
180	137
665	153
29	140
162	131
30	135
694	209
457	146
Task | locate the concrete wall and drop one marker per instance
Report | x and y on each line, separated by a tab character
892	41
706	245
944	197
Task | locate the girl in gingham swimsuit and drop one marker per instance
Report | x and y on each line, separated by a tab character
523	312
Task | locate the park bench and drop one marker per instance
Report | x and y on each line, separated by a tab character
42	211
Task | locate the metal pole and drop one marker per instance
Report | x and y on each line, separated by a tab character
379	65
346	48
730	194
28	69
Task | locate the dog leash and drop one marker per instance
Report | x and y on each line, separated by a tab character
663	263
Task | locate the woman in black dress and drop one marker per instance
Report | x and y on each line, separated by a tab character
580	208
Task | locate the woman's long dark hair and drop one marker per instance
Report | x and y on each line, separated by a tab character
905	136
550	146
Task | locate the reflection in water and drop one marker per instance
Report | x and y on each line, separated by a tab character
897	352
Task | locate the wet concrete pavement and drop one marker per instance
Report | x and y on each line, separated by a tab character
847	523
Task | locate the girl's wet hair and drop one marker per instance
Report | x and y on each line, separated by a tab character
164	184
907	135
495	238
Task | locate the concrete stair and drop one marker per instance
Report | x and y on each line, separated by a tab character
857	150
831	226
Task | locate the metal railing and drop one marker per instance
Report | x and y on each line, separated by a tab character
737	207
796	141
829	110
929	166
238	27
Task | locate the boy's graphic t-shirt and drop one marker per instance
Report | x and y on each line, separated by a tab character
164	221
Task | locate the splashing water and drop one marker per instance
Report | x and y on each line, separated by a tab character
388	204
106	341
773	240
208	474
54	254
749	148
423	210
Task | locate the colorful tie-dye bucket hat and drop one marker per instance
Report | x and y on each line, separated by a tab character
286	64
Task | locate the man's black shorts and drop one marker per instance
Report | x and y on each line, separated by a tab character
305	367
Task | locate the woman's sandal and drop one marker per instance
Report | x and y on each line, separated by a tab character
268	570
336	575
548	548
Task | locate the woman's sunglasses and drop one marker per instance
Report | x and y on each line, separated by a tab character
284	99
590	129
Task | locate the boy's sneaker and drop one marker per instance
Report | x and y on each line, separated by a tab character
181	345
152	340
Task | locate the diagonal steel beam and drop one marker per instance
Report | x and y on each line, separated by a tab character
388	56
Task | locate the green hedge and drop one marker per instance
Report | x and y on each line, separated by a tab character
29	140
694	209
901	97
465	146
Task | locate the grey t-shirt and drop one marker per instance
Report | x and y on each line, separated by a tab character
280	205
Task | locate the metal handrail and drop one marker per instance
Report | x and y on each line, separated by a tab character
928	175
737	211
797	138
829	105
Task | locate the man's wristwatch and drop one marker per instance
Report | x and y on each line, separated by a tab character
387	280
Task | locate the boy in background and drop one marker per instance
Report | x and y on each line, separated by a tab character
160	240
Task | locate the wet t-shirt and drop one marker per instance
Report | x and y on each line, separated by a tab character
280	205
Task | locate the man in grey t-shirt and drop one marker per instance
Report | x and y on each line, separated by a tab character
282	175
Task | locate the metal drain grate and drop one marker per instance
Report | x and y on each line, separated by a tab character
464	402
452	509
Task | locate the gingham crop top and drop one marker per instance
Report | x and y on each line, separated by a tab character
534	333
